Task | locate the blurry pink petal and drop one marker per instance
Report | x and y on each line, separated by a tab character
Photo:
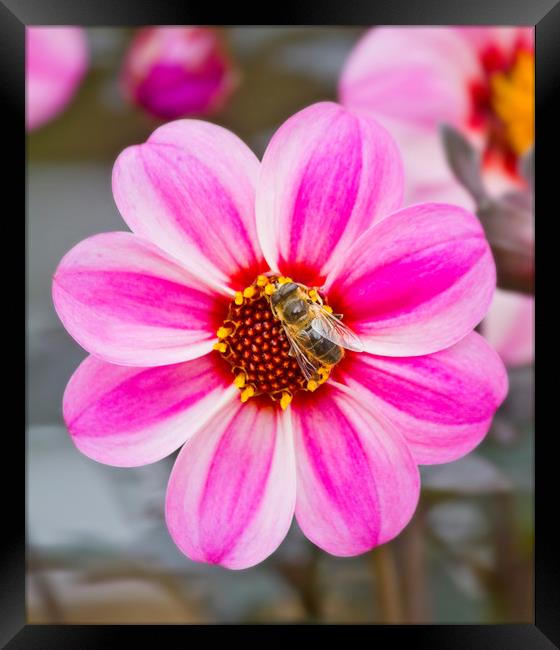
190	189
428	182
442	403
173	72
413	75
510	327
56	61
358	484
231	494
418	281
502	39
133	416
326	176
127	302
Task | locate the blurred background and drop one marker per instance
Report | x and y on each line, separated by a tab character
98	548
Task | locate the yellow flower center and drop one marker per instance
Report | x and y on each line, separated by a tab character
513	101
254	343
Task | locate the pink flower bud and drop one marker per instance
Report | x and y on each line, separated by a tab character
173	72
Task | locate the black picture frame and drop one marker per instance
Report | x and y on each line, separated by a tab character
14	16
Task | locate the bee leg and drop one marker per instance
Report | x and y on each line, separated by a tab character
291	353
339	316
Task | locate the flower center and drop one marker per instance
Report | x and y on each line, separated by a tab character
502	107
512	99
255	344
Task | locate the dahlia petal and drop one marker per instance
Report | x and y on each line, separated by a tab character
504	39
442	403
358	484
326	176
231	494
510	328
413	75
127	416
190	189
433	182
417	282
127	302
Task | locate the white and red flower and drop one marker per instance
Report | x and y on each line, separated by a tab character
323	207
56	61
480	80
175	72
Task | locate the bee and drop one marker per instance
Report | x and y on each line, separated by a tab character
317	337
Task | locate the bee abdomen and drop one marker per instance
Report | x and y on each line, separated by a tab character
322	348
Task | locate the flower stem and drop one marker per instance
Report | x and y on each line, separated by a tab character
387	583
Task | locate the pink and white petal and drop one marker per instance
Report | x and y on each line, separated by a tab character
126	416
427	183
509	326
418	76
442	403
417	282
326	176
190	189
501	39
231	494
358	484
127	302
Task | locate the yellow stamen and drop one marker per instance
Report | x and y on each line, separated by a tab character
285	401
284	280
513	101
239	380
328	308
312	385
269	289
313	295
221	347
224	332
238	300
262	280
247	393
249	292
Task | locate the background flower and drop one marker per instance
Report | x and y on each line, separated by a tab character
56	61
178	71
479	81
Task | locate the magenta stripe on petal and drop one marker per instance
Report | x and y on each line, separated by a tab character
357	482
126	416
231	494
190	189
417	281
326	176
443	403
127	302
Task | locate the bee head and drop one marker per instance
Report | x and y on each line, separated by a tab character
283	291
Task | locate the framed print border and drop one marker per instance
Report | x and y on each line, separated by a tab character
14	16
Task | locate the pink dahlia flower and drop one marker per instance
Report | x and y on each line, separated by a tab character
480	80
185	350
177	71
56	61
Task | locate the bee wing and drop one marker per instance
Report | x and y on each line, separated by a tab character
333	329
308	365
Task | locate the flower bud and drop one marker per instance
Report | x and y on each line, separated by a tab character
174	72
